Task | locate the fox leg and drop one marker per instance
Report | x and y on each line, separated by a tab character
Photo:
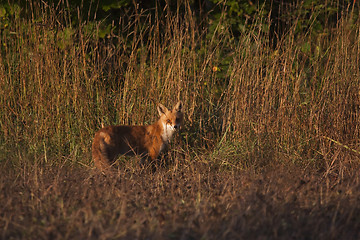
100	152
102	164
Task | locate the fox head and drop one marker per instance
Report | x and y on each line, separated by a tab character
171	120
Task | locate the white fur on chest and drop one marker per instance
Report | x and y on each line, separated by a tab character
168	131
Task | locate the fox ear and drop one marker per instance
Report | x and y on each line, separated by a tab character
178	106
162	109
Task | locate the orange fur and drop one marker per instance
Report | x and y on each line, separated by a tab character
147	141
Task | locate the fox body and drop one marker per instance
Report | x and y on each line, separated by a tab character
147	141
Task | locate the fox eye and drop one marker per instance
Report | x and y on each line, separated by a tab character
168	121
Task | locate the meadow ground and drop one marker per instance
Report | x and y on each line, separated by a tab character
191	200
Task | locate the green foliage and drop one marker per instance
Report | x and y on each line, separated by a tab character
239	16
111	4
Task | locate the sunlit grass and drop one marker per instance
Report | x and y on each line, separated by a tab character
269	147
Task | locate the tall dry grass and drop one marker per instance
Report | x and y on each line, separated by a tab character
301	101
60	82
247	104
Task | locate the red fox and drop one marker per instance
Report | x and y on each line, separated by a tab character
147	141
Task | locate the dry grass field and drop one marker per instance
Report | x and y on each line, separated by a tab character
192	201
270	146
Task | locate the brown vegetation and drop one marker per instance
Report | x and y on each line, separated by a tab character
191	201
269	148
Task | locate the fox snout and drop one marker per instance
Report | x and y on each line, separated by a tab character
174	127
177	125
